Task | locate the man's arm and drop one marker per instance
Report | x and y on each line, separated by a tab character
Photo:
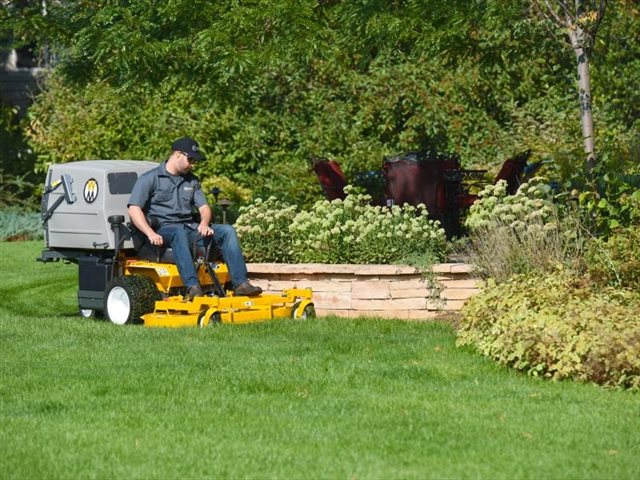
205	220
140	221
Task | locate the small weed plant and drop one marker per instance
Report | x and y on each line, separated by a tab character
340	231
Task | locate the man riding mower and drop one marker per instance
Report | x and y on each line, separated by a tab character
161	207
129	280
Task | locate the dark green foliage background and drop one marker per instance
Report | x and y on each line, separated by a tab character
265	85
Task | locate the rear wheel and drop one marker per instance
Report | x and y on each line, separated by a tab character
129	297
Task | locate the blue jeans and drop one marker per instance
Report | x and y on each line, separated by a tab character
181	238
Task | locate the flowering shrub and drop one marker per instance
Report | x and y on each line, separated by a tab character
525	232
341	231
264	230
530	207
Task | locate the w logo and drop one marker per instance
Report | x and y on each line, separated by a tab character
90	192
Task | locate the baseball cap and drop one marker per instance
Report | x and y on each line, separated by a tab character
189	147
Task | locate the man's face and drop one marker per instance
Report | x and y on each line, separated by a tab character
184	162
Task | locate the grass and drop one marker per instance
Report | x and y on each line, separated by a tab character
326	398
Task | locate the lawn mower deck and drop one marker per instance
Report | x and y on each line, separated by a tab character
207	310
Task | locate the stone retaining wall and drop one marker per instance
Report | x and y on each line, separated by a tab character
390	291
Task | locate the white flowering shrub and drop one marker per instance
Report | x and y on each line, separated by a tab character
521	233
263	228
530	207
342	231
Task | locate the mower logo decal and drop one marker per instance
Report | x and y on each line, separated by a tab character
90	192
163	272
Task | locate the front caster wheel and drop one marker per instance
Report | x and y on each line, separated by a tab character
204	320
90	313
308	311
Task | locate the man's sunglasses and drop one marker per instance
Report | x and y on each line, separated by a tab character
190	159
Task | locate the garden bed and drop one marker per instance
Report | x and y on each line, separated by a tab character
389	291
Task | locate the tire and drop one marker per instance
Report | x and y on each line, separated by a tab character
89	313
215	319
308	312
129	297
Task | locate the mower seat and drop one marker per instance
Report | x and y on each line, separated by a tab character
146	251
155	253
160	254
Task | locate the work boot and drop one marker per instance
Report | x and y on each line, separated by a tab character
247	290
194	291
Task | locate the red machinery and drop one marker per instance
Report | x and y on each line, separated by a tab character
437	181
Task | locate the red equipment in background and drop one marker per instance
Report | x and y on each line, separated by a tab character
437	181
331	178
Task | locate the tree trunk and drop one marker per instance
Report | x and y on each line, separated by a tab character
584	92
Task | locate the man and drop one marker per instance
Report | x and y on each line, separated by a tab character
161	207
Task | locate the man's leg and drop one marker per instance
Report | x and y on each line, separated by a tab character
176	236
227	240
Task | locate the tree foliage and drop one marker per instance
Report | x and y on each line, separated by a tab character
265	84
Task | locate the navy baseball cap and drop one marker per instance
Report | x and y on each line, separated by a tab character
189	147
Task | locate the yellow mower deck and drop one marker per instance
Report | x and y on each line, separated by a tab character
203	311
166	275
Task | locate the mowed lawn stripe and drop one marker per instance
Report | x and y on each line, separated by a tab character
325	398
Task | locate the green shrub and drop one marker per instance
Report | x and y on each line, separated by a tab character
18	183
557	326
16	224
18	190
611	199
616	260
341	231
353	231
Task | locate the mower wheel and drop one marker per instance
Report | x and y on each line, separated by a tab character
215	319
89	313
308	311
129	297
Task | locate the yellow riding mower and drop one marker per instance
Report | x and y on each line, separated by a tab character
133	282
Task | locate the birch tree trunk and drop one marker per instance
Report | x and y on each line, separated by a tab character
584	95
581	19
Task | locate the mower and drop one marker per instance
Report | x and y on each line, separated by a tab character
124	278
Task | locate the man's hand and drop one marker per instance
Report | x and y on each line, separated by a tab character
204	227
205	230
155	239
139	220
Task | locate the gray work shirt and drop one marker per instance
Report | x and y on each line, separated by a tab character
167	198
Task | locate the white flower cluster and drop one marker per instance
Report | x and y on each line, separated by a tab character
531	208
341	231
263	228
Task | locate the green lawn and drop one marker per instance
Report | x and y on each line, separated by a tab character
325	398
